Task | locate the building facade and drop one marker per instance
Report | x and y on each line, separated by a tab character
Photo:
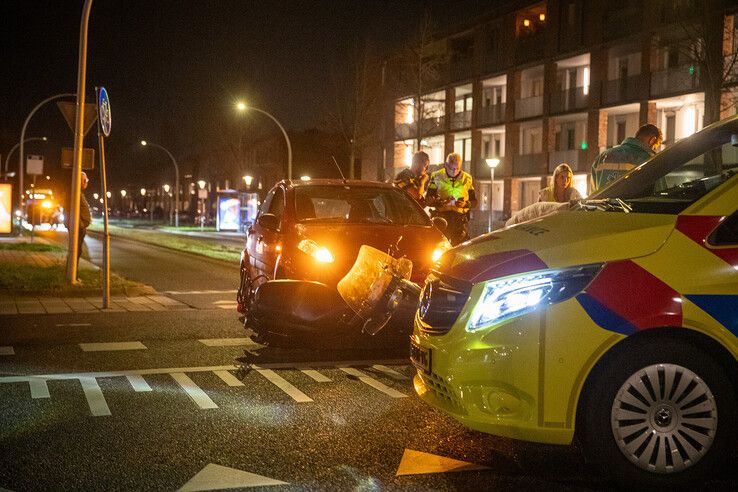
536	84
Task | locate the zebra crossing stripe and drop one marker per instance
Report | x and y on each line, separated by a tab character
39	388
284	385
315	375
373	382
390	372
138	383
95	397
228	378
197	395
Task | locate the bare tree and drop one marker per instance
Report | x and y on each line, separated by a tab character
355	110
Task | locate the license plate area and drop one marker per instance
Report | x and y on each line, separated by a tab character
420	357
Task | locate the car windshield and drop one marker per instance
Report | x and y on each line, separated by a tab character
357	204
677	177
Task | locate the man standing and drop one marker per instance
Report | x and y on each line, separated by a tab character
451	193
84	217
633	151
415	179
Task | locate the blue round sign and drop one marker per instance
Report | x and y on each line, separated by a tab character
103	111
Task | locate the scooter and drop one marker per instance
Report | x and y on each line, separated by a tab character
286	313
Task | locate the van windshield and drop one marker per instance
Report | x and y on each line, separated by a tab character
679	176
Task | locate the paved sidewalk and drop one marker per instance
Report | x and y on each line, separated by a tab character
59	305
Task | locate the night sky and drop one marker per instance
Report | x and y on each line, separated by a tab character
173	69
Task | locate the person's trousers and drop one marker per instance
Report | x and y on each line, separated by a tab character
80	243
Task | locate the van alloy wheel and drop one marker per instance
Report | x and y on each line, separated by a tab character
664	418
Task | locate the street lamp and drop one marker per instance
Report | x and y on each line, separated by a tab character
492	163
248	180
242	106
305	178
142	191
123	193
7	158
176	179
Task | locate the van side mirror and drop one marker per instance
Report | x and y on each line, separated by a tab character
268	221
440	223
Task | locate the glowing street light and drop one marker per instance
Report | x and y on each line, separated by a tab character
201	183
142	191
123	193
248	180
242	106
95	196
108	194
492	163
166	188
176	179
305	178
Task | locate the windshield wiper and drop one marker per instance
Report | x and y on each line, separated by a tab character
606	204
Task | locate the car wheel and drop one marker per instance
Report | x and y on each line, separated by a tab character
658	412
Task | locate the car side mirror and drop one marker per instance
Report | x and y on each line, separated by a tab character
440	223
268	221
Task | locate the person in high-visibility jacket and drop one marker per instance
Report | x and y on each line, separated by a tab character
451	194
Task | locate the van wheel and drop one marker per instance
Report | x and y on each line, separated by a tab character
658	412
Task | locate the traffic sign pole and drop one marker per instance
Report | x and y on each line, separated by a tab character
103	130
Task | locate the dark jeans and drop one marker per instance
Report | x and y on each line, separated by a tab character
80	243
457	230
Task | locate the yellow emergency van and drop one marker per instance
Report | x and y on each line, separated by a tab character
614	321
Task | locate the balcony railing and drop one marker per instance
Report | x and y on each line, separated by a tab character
528	164
569	100
436	124
491	115
404	131
624	89
674	80
528	107
461	120
576	158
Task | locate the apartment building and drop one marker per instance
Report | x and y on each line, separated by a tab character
535	84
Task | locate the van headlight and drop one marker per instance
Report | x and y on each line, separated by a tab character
513	296
319	253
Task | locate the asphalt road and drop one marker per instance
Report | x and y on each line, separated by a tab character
184	400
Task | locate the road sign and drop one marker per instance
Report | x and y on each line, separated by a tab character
69	111
103	109
88	158
34	164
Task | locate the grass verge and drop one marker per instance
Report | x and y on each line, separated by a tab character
210	249
28	280
32	247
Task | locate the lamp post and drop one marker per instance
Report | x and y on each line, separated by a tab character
176	179
492	163
7	158
201	184
169	202
242	106
248	180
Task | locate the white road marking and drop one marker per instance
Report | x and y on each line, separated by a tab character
390	372
7	351
226	342
284	385
216	477
197	395
228	378
373	382
138	383
95	397
39	388
111	346
73	324
197	292
316	375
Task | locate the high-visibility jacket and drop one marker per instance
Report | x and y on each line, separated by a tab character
614	162
443	187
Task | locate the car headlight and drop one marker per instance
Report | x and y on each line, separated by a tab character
513	296
319	253
441	248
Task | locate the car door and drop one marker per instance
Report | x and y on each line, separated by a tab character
265	235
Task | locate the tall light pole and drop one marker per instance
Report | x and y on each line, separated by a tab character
242	106
176	179
7	158
492	163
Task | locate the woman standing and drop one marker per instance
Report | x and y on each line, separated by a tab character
561	190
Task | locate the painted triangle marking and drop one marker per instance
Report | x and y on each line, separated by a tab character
216	477
419	463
